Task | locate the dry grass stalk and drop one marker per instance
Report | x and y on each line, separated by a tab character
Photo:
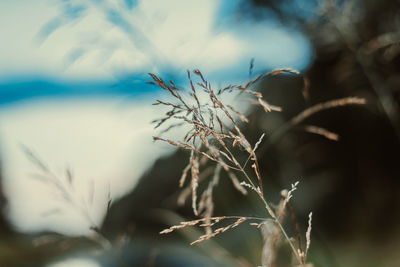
212	140
206	204
219	230
211	221
203	117
270	241
195	178
308	235
267	107
321	131
318	108
297	227
272	235
382	41
259	77
327	105
298	119
185	193
208	139
65	188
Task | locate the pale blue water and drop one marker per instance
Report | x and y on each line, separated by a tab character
23	89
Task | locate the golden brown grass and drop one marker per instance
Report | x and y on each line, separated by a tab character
210	139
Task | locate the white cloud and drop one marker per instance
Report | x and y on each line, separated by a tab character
103	143
177	33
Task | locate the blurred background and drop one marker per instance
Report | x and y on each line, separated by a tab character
75	108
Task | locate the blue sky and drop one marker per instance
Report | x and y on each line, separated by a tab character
110	41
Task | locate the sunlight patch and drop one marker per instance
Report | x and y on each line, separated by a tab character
75	263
